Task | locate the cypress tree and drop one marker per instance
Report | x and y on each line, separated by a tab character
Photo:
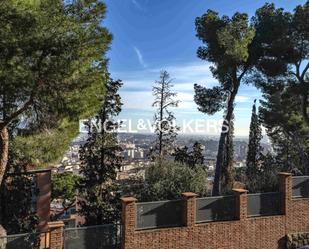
228	170
100	160
254	151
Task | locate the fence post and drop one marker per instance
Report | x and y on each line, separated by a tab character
285	187
56	234
189	208
128	221
241	203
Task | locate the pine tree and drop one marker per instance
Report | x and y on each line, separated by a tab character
227	47
165	128
100	160
52	57
254	151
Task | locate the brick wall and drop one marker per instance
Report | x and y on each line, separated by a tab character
267	232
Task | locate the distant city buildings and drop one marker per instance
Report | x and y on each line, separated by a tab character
136	147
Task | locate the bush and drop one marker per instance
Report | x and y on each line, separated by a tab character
167	180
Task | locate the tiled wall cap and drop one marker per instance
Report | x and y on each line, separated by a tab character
240	190
128	199
54	224
285	174
189	194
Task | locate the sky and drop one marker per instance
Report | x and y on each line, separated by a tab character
154	35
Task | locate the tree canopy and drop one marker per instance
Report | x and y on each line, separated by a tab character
52	67
227	45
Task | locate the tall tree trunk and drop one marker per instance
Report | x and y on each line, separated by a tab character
222	140
305	161
4	154
304	107
4	150
161	119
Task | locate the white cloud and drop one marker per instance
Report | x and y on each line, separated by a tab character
140	57
137	100
190	73
242	99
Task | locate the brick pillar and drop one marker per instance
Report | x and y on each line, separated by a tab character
56	234
241	203
189	208
128	221
285	187
189	217
43	199
2	241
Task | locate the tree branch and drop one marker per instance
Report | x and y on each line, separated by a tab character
25	106
305	71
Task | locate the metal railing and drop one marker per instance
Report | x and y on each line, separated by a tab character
300	186
26	241
220	208
159	214
264	204
93	237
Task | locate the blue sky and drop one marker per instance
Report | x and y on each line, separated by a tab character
154	35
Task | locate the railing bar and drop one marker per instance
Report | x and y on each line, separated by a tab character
207	221
153	227
90	227
266	193
216	197
153	202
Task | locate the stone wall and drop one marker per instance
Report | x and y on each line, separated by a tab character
297	240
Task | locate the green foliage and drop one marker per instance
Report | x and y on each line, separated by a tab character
236	36
280	115
268	175
18	212
64	186
51	69
266	178
209	101
228	170
283	44
254	151
227	46
45	147
191	158
167	180
100	160
226	43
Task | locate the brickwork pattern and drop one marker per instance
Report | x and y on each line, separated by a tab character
56	234
268	232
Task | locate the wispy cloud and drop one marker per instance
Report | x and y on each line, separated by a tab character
137	4
140	57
